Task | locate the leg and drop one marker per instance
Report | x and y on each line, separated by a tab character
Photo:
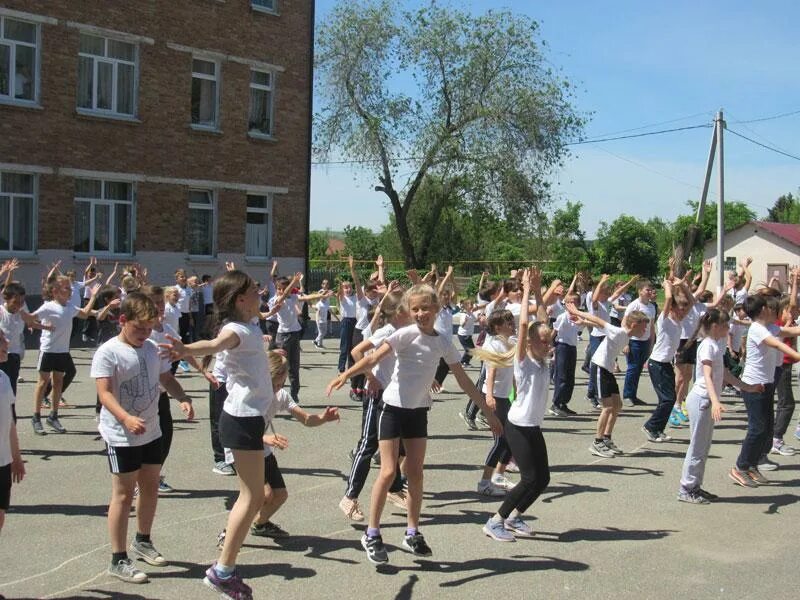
69	374
274	498
216	401
594	344
119	509
785	407
250	470
165	422
636	356
293	354
662	376
367	446
389	449
415	457
701	430
559	375
38	392
148	497
571	361
756	427
55	395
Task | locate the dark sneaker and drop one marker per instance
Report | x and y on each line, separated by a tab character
55	424
164	487
416	545
470	422
38	429
651	437
705	494
557	411
268	529
741	478
639	402
376	551
147	552
124	570
232	588
569	411
692	498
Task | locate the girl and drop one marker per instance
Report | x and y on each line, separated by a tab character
323	307
523	428
709	376
241	426
466	328
12	467
406	402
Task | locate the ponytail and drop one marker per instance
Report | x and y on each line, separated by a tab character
712	316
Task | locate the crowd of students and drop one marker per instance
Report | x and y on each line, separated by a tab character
395	351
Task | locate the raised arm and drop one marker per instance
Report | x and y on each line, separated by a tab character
448	276
668	297
379	264
585	316
522	328
356	281
596	292
620	289
748	275
572	285
793	292
706	273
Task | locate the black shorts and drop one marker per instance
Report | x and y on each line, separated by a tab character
272	473
403	423
606	384
55	361
5	487
686	355
241	433
127	459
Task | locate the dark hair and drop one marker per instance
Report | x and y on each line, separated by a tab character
511	285
205	278
226	290
497	318
753	305
13	289
706	296
488	291
371	286
153	290
712	316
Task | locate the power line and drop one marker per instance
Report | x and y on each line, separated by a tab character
770	118
658	124
638	135
752	141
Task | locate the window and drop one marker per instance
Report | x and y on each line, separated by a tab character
17	212
257	236
107	75
18	60
730	263
264	5
103	216
200	228
261	86
205	93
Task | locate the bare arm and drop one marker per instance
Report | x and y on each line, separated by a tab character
748	275
356	281
448	276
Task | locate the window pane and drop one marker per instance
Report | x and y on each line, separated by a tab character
82	227
91	44
88	188
200	197
122	228
204	66
85	76
270	4
259	77
5	69
258	100
256	202
17	183
118	190
20	31
125	89
200	231
23	224
105	81
5	222
123	50
102	227
256	235
204	100
24	72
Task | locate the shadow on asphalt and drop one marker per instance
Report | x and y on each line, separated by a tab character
607	534
775	502
612	469
87	510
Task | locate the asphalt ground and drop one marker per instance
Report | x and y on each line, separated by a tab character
605	528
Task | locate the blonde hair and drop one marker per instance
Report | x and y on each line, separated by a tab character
635	317
506	359
278	365
420	289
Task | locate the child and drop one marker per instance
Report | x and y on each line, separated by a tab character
347	319
404	415
172	312
785	405
241	425
639	344
566	357
523	428
12	467
466	329
634	323
366	298
709	376
323	307
127	370
55	360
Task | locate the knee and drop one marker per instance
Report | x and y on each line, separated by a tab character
278	496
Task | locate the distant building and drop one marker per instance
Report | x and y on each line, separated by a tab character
167	133
774	248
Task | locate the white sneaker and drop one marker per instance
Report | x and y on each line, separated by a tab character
503	482
779	447
766	464
487	488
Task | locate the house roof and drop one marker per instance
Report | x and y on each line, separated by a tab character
334	246
787	231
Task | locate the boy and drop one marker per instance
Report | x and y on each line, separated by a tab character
639	345
128	371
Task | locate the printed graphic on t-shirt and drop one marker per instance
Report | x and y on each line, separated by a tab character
138	393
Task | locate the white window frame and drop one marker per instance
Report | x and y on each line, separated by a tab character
37	62
34	197
212	196
217	78
265	9
112	230
270	90
115	62
268	211
727	261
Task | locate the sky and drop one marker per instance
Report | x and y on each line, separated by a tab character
638	67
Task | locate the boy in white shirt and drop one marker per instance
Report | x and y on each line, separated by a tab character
639	345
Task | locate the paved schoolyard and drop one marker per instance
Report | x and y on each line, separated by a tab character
605	528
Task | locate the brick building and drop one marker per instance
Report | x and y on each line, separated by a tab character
168	133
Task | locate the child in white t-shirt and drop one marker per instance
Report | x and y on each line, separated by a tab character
566	327
12	467
323	307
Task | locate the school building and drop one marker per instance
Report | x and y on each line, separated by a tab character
173	134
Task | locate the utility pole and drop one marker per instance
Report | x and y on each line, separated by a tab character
720	127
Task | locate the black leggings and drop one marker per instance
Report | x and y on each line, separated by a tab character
500	452
472	409
530	452
165	421
216	400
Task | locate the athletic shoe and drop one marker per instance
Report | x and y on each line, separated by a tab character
123	569
756	476
765	464
557	411
663	437
470	422
221	540
223	468
184	366
741	478
676	417
705	494
481	421
55	424
585	369
496	531
38	429
628	402
503	482
164	487
487	488
232	588
569	411
600	449
685	412
316	344
512	467
616	450
639	402
399	499
147	552
351	509
518	527
779	447
376	459
692	498
651	437
376	551
269	530
593	401
416	545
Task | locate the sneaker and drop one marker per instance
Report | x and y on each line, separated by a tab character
184	366
487	488
639	402
269	530
616	450
674	420
354	395
38	429
496	531
569	411
399	499
503	482
779	447
705	494
628	402
316	343
518	527
756	476
376	459
416	545
470	422
221	539
147	552
351	509
376	551
684	413
692	498
164	487
663	437
232	588
651	437
223	468
481	421
593	401
55	424
741	478
512	467
124	570
600	449
765	464
557	411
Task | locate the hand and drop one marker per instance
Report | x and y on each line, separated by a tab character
716	410
494	424
351	262
491	402
331	414
526	281
535	275
187	409
730	284
230	266
572	309
755	388
708	265
748	261
17	469
174	351
335	384
276	441
211	379
379	261
115	303
134	424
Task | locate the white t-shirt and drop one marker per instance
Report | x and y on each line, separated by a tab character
347	306
467	325
134	374
692	318
556	308
418	356
622	300
533	381
6	418
567	330
709	350
668	337
160	337
737	333
12	326
363	306
172	316
218	371
77	288
761	359
444	322
287	315
59	316
247	373
384	369
283	403
739	296
609	348
600	311
184	297
323	306
649	309
503	376
208	293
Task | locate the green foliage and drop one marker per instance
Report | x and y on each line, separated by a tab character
785	210
567	240
626	246
317	244
360	242
736	215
